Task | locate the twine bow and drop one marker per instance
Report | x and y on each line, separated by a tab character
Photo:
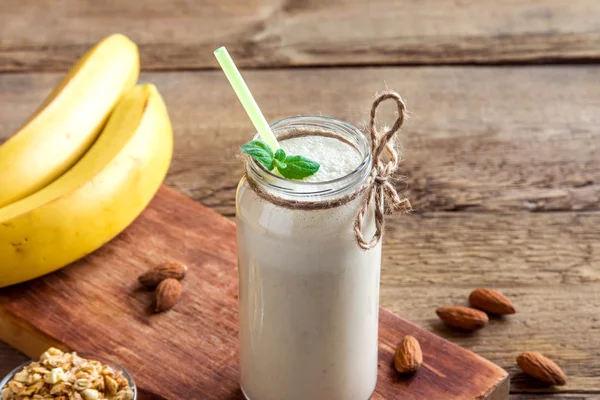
385	162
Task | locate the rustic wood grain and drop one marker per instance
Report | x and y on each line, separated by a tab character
546	263
479	139
50	35
516	250
196	341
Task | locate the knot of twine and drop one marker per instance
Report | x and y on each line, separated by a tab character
379	188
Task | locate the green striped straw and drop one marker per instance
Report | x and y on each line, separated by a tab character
246	98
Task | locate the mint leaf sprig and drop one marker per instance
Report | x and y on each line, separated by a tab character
290	167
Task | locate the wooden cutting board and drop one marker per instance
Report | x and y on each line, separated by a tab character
190	352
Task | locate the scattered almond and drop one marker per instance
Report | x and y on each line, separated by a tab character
167	294
169	269
542	368
409	356
464	318
491	301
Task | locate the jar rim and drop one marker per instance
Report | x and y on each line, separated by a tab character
326	189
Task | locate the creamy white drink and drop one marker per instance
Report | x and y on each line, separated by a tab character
309	296
337	159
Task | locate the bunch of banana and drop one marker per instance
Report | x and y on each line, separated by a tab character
69	120
65	190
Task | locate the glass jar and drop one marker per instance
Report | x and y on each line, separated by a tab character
309	296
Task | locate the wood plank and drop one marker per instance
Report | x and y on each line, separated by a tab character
547	263
182	34
516	250
479	139
196	342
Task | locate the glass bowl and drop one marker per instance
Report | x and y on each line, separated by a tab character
116	367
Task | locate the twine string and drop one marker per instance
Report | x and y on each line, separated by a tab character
385	161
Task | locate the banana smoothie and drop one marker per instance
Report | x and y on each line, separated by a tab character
309	296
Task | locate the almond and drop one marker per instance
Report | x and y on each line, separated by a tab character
540	367
465	318
169	269
167	294
491	301
409	356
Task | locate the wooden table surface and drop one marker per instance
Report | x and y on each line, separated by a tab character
502	153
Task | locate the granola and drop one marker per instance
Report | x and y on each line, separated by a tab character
67	376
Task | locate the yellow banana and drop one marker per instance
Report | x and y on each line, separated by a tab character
69	120
97	198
